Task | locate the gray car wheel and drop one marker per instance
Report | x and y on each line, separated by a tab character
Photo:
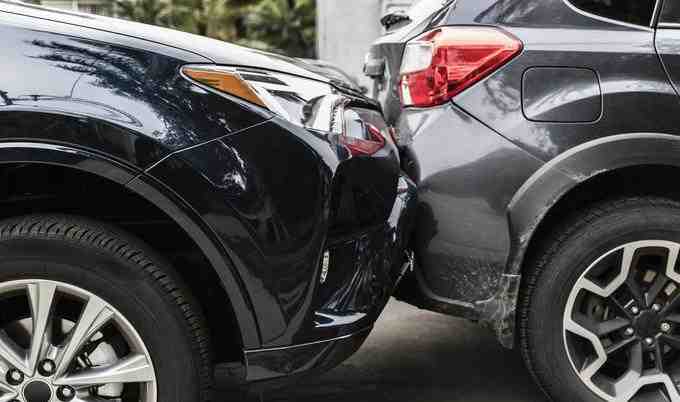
600	315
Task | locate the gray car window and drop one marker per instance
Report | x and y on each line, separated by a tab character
638	12
671	11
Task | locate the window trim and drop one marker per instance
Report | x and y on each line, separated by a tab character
669	25
657	13
648	27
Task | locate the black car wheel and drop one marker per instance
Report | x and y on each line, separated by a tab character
600	318
90	314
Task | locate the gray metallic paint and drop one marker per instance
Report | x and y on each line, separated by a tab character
488	175
561	95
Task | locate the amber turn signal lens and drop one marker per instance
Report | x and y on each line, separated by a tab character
229	83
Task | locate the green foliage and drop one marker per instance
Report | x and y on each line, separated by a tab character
284	26
287	26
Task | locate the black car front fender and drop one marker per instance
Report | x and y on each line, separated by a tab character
44	153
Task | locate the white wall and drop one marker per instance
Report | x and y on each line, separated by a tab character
346	29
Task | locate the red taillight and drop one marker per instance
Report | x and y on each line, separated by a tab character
442	63
364	147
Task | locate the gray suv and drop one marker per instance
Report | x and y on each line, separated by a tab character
544	136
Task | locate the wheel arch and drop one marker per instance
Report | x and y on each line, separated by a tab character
559	180
569	181
156	194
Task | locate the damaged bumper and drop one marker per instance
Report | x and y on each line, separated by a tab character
358	276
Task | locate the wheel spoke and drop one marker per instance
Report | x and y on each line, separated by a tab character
672	304
618	308
658	285
658	357
636	359
41	296
672	341
132	369
89	399
613	325
593	366
601	329
4	386
629	384
94	316
9	396
635	290
620	345
673	252
12	354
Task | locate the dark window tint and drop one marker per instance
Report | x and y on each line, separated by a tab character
671	11
631	11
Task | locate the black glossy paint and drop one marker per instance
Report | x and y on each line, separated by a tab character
585	97
263	199
236	183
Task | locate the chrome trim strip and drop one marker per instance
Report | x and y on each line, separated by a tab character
669	25
302	345
605	19
655	14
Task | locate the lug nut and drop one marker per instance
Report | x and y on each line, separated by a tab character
46	368
666	327
15	377
629	331
649	341
635	310
656	307
66	393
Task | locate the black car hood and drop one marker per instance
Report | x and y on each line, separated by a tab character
216	51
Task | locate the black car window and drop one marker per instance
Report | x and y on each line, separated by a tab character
670	11
637	12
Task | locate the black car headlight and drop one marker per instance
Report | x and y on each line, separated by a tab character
304	102
285	95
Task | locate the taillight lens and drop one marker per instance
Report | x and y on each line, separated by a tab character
442	63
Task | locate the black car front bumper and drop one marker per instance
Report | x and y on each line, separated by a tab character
280	201
364	270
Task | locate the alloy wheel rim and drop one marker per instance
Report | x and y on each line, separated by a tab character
621	323
59	342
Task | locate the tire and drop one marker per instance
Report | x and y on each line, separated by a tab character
143	310
591	247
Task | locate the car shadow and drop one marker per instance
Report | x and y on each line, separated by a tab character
418	356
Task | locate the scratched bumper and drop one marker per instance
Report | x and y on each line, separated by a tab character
363	270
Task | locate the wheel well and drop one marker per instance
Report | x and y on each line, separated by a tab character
630	181
38	188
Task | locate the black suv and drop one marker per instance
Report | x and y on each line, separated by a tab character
177	212
544	138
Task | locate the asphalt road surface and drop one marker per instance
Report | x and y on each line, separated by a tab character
417	356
